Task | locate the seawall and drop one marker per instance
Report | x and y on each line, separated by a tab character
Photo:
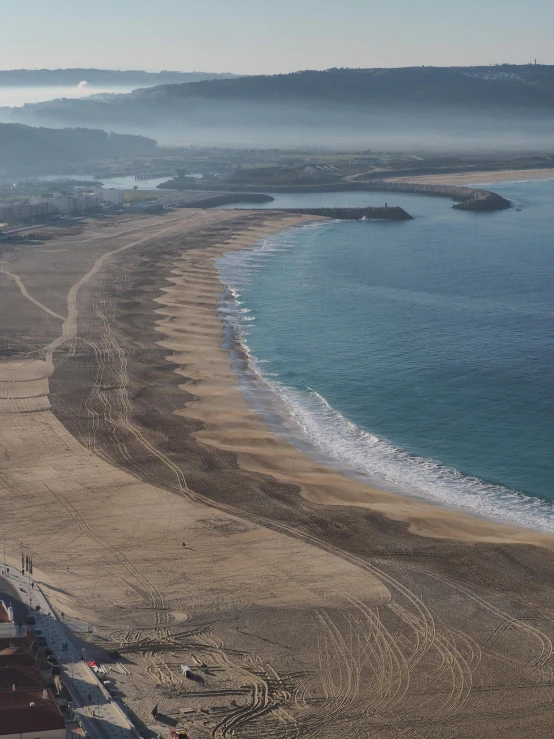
467	198
230	198
356	214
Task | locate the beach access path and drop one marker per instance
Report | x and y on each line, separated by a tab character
99	714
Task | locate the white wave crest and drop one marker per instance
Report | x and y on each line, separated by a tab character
306	418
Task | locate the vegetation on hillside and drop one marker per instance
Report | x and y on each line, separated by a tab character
21	145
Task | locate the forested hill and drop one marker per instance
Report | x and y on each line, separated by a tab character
509	86
99	77
509	107
24	145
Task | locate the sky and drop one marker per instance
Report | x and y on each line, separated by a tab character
260	37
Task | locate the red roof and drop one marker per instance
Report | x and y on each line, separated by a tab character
18	716
18	641
22	676
14	656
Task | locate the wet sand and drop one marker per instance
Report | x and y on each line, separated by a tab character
161	511
194	334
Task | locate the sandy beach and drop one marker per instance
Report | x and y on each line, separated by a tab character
475	178
229	424
162	513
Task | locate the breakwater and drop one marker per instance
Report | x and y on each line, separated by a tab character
230	198
356	214
467	198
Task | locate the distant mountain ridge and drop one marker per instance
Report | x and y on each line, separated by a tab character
100	77
507	106
465	85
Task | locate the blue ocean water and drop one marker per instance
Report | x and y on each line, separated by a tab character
419	353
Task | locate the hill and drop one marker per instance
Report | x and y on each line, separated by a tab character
383	108
100	77
419	85
24	145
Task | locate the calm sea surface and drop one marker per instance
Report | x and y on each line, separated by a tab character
420	353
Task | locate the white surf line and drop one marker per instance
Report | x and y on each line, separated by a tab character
26	293
69	328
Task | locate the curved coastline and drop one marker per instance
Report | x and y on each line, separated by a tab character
317	604
231	424
289	413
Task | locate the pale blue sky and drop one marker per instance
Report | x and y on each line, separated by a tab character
253	36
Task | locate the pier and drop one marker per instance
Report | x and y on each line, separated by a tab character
384	212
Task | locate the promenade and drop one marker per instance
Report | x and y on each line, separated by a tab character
100	715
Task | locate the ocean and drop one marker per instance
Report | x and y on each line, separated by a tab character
418	355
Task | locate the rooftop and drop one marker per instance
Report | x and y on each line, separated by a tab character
17	656
27	641
26	711
22	676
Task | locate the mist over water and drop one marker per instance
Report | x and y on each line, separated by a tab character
418	354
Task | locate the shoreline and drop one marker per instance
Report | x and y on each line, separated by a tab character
231	424
478	177
277	413
300	617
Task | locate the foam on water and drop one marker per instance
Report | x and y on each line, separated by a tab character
308	420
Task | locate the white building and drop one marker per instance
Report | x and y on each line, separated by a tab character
113	196
8	629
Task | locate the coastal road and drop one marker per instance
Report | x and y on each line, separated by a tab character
99	714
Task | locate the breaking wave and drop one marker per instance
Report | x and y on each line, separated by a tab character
306	419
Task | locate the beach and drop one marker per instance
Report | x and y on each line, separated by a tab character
476	178
162	511
231	425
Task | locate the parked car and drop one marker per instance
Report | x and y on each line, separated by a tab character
114	654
